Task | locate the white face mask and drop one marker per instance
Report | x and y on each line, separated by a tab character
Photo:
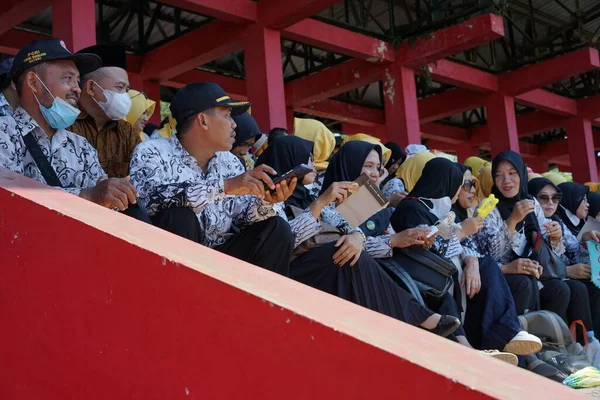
117	105
441	207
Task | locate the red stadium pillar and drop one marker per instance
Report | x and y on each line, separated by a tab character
581	150
264	77
289	115
401	110
465	151
152	91
502	123
74	21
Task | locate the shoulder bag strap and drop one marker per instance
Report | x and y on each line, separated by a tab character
42	162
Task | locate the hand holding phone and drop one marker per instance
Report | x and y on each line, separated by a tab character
298	172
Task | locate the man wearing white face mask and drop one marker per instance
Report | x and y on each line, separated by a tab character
34	141
105	103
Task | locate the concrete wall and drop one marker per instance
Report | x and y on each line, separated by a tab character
94	305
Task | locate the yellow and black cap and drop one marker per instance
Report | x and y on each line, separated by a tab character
197	97
43	50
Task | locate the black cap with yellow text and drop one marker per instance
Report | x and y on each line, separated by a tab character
44	50
197	97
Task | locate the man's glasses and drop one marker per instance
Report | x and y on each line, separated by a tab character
545	199
468	185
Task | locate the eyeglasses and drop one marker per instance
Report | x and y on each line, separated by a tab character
468	185
545	199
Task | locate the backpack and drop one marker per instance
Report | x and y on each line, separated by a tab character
561	355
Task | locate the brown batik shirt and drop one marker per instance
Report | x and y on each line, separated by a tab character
114	143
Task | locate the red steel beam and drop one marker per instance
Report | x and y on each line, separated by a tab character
449	41
547	72
14	39
548	101
444	133
331	82
463	76
339	40
589	108
236	88
16	11
279	14
344	112
237	11
192	50
448	104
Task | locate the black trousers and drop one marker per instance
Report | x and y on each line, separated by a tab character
569	299
525	292
594	294
267	244
134	211
365	284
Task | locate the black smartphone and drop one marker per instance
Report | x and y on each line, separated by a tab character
299	172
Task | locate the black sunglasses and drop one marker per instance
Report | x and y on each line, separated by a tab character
544	198
468	185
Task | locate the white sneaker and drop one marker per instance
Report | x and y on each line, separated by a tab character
523	344
498	355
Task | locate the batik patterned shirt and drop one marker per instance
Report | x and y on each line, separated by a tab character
166	175
392	187
73	159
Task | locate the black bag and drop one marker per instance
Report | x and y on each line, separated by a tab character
401	277
432	272
554	266
41	161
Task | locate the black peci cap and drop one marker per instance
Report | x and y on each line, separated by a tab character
112	55
5	66
42	50
197	97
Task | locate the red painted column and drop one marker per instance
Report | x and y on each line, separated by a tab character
289	116
135	81
502	123
581	150
152	91
465	151
401	110
264	77
539	165
74	21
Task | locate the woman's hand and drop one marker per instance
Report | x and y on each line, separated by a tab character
409	237
471	278
350	247
579	271
428	241
554	232
591	235
383	174
523	266
338	191
396	198
471	226
521	210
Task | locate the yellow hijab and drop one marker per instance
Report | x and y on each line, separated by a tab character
166	131
476	163
592	185
320	135
410	171
554	177
139	104
363	137
484	189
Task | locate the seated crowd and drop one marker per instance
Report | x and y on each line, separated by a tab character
70	120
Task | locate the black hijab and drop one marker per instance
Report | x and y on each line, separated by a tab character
536	185
506	205
573	194
346	165
246	128
397	153
594	200
441	178
283	155
461	213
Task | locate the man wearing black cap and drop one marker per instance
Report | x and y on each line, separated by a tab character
193	186
105	102
246	134
34	141
9	99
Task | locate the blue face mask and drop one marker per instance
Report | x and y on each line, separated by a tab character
61	114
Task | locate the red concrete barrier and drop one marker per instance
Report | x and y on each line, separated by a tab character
95	305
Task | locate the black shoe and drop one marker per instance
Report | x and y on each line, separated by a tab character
447	325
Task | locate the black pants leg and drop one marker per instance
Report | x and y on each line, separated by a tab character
134	211
594	294
268	244
491	320
365	284
555	297
579	304
524	291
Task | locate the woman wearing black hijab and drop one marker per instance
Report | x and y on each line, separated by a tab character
246	134
341	268
392	186
507	236
576	256
429	202
574	209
